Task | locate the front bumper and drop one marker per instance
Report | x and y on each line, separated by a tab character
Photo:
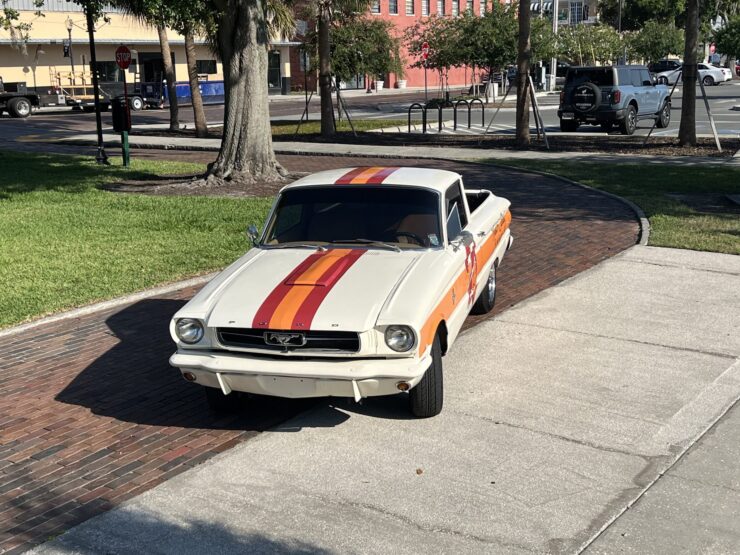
294	378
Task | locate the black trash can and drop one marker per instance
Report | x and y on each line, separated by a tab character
121	114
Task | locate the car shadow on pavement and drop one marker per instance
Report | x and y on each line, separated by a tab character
135	531
133	381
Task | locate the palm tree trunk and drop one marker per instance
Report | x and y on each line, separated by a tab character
201	128
327	110
687	128
169	75
246	153
522	78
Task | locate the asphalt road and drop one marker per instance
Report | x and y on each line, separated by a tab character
721	98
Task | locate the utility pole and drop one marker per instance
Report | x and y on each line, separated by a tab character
70	24
554	61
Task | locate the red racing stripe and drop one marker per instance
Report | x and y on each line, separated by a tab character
270	304
310	306
379	177
347	178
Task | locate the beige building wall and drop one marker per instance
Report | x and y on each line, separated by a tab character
42	54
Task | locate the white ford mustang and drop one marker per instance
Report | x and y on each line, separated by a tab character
358	286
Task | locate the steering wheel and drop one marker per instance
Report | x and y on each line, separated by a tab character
416	238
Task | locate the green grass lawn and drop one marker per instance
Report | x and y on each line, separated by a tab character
64	243
672	222
289	127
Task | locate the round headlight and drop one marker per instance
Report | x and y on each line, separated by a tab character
400	338
189	330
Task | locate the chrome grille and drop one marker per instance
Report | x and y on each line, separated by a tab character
269	340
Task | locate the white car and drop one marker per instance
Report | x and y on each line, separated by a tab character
727	72
358	285
709	75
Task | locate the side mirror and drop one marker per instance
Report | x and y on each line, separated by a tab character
253	234
466	238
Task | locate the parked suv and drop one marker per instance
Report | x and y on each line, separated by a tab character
611	95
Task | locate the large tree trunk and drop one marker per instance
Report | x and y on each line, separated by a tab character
201	128
169	75
246	153
522	78
327	110
687	128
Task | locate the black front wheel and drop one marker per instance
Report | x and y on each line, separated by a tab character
487	298
19	107
664	118
426	398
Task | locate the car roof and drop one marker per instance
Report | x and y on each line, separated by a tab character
438	180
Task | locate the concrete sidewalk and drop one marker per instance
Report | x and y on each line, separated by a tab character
560	414
423	151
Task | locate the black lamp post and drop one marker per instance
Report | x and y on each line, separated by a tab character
70	24
101	157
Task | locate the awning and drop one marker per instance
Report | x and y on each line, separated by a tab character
534	6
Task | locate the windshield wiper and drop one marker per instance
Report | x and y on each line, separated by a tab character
369	242
294	245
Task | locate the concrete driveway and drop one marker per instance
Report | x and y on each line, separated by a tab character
560	414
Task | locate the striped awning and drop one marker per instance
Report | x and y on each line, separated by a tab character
534	6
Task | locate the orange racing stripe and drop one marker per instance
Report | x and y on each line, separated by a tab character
445	307
373	175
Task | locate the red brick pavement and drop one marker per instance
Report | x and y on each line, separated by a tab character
91	414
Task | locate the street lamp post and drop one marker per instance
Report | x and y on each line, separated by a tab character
70	24
554	61
101	157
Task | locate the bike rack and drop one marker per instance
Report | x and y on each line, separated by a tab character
439	118
454	112
482	111
423	116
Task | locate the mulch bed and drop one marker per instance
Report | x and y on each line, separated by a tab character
612	144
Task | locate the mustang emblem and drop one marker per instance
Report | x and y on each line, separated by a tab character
285	339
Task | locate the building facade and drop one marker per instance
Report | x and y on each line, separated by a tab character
48	59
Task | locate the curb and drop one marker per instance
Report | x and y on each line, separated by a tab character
104	305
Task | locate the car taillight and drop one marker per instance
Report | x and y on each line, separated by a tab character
616	97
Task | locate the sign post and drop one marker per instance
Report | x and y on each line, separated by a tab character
123	59
425	56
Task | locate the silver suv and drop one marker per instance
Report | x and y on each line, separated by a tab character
610	95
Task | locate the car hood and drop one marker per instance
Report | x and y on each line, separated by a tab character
299	289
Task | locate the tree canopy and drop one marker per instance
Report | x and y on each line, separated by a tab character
727	38
636	13
655	41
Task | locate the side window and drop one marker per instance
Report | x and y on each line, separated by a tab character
624	77
636	81
645	76
456	217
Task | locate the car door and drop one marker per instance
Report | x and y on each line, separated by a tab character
461	255
651	94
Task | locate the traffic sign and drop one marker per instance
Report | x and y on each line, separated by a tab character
123	57
425	50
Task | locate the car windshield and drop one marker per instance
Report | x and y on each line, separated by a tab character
382	217
600	76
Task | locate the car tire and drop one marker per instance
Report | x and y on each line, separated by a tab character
426	398
628	125
664	117
220	403
136	103
19	107
568	125
663	80
487	298
708	81
584	88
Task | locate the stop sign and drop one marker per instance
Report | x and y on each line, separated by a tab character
425	50
123	57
